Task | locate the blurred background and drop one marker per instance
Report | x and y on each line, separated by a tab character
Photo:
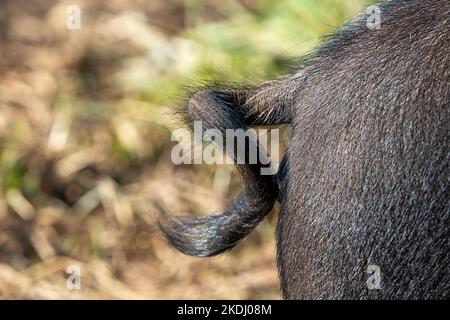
85	123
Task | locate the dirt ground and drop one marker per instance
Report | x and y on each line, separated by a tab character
85	164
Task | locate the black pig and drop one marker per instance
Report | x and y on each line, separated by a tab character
365	180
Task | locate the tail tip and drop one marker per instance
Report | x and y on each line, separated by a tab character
197	236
